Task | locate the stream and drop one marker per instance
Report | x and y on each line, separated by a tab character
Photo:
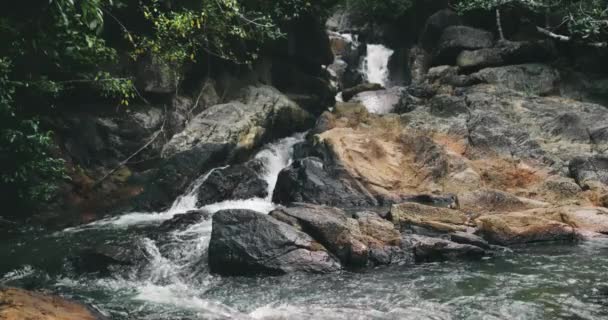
533	282
555	281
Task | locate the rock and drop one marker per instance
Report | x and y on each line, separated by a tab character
448	106
435	25
427	249
449	201
469	238
184	220
300	83
349	93
538	79
357	243
590	219
523	227
455	39
568	126
441	219
221	133
310	180
419	62
156	76
478	59
104	258
505	53
585	170
19	304
235	182
245	242
489	200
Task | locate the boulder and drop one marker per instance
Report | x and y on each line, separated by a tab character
182	221
427	249
349	93
534	79
588	169
469	238
236	182
505	53
104	258
435	25
245	242
310	180
455	39
19	304
221	133
440	219
523	227
356	242
419	62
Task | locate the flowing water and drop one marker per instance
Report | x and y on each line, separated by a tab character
555	281
375	64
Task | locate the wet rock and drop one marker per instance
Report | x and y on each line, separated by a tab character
427	249
184	220
523	227
245	242
356	242
19	304
419	62
455	39
538	79
586	170
470	239
478	59
349	93
440	219
235	182
104	258
435	25
310	180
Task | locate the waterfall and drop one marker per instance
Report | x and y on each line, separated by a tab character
375	64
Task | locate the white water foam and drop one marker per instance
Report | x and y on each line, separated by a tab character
375	64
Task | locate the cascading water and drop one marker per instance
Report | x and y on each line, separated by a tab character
374	67
548	282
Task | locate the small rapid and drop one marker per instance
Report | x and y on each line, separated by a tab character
375	64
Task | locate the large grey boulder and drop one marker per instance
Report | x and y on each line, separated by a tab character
435	25
357	242
245	242
455	39
257	112
531	78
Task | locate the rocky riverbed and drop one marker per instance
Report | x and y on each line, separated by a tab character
474	188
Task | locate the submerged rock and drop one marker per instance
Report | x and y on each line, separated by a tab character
106	257
18	304
245	242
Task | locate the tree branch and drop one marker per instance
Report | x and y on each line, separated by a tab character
564	38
